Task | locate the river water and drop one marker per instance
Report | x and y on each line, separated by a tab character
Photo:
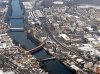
53	66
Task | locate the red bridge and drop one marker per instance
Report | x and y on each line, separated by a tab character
38	47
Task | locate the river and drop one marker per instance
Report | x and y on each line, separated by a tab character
53	66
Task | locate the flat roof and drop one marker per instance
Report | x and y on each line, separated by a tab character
58	2
79	60
75	67
64	36
38	12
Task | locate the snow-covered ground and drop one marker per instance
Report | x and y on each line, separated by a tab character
87	6
1	72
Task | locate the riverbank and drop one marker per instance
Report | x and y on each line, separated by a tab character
9	12
21	37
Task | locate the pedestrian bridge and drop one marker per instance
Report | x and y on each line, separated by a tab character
17	29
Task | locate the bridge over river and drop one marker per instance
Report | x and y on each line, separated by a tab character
16	29
16	17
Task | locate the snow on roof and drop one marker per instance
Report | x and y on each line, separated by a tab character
79	60
3	34
38	12
32	22
76	17
98	66
68	15
5	1
0	37
88	6
98	39
99	31
43	38
56	24
91	39
58	2
95	42
64	36
74	67
89	28
87	35
74	56
86	47
1	72
4	45
90	48
27	4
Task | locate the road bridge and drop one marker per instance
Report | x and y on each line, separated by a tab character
48	59
16	17
16	29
